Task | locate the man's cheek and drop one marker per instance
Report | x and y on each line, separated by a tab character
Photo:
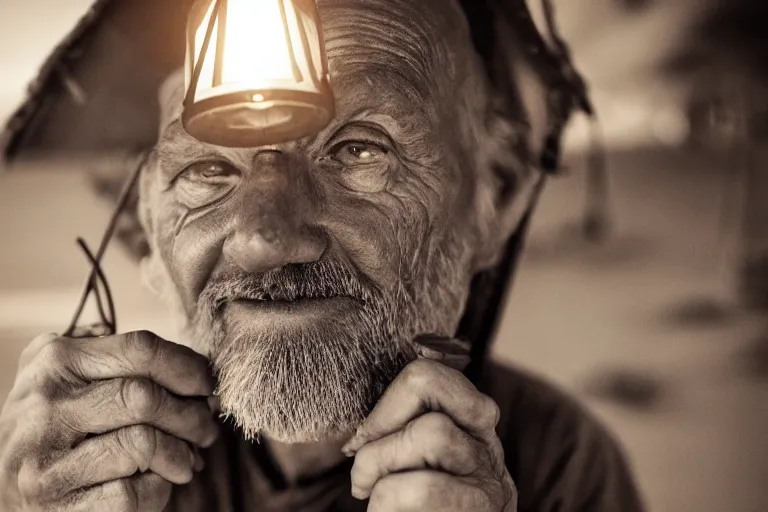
371	179
191	247
367	240
379	233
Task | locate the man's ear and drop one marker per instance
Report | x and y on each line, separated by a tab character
532	104
512	149
503	206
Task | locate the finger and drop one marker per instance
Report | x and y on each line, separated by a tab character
137	354
112	456
27	378
417	491
147	492
428	386
431	441
112	404
34	348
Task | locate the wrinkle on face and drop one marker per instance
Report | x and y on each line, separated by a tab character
406	69
411	38
395	64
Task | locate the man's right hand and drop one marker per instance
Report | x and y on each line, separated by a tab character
103	424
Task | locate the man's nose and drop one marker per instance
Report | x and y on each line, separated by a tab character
272	225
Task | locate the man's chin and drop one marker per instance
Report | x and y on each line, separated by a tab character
308	411
289	426
304	376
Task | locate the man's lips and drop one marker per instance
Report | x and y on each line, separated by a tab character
299	305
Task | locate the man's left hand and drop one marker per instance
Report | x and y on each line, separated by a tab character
430	444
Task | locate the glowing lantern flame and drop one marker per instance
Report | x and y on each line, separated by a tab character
256	72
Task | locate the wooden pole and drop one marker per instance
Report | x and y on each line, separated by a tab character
753	271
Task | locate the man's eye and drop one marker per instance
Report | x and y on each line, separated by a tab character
358	153
205	182
209	172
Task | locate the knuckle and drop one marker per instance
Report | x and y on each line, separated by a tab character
142	346
141	397
35	346
489	411
434	423
420	374
43	339
144	437
435	432
55	354
139	444
443	440
383	495
483	501
125	498
29	482
418	495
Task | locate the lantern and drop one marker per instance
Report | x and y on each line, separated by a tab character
256	72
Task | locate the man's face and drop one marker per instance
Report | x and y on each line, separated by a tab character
304	270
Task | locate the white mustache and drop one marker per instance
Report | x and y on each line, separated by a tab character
291	283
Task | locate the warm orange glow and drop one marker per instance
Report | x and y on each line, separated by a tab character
257	50
263	76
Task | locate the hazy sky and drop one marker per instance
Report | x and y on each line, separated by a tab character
29	30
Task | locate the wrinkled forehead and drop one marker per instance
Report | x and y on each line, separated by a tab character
418	45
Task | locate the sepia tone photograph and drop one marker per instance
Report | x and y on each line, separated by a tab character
383	255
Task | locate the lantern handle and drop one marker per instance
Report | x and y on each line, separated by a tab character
190	97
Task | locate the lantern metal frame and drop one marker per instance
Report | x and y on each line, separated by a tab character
228	119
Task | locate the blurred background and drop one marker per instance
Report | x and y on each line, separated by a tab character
643	290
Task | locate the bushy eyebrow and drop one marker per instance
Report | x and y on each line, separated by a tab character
172	133
176	145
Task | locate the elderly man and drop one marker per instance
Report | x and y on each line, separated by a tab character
302	273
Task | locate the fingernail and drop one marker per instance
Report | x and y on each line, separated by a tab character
354	444
350	449
359	493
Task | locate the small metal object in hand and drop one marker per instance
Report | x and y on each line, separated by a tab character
451	352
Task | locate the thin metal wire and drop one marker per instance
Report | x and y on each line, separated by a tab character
91	285
109	322
577	82
198	69
596	219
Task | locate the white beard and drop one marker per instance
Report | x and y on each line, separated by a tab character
319	382
305	384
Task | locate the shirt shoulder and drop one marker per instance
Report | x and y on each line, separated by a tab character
560	457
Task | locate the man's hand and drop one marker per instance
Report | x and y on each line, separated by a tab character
103	424
430	444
